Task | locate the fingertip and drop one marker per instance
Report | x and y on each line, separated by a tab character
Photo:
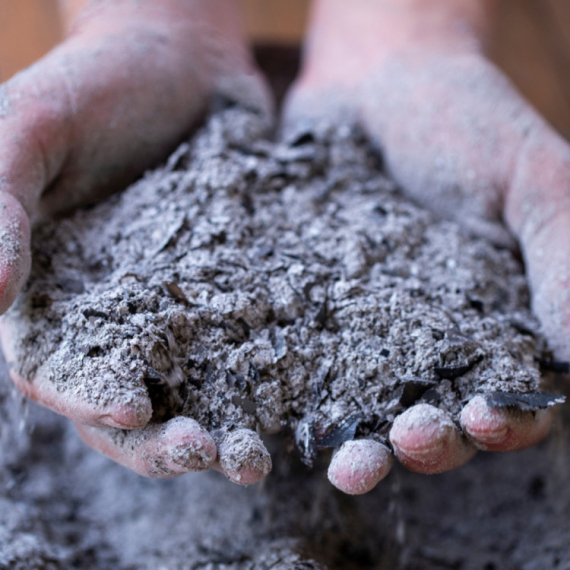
503	429
358	466
190	447
134	414
243	457
426	440
161	451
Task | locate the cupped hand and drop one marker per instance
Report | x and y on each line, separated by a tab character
458	138
114	98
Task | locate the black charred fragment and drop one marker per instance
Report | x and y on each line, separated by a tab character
247	203
302	139
305	440
344	432
174	290
477	305
253	373
164	402
264	251
238	381
385	353
153	376
522	328
525	402
246	405
196	382
431	396
413	390
94	351
453	372
245	327
209	373
323	374
235	333
88	313
558	367
321	316
230	379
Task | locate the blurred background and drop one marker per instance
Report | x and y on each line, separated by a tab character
531	43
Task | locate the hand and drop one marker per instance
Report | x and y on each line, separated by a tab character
115	97
459	139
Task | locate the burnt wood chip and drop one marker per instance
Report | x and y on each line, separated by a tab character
524	402
321	316
431	396
87	313
248	406
302	139
305	440
413	390
174	290
453	372
554	366
477	304
344	432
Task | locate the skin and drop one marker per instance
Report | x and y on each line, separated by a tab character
414	74
89	117
118	95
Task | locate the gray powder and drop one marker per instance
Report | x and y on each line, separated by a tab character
284	286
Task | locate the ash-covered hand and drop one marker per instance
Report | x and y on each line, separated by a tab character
124	88
459	139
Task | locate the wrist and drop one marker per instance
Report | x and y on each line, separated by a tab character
208	32
356	37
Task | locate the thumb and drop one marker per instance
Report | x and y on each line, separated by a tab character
537	208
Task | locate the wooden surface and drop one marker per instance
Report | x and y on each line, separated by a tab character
28	29
531	42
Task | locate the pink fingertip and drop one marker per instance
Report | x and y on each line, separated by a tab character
483	423
422	432
426	440
243	458
501	429
134	415
358	466
189	447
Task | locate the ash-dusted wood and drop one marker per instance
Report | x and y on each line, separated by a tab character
28	29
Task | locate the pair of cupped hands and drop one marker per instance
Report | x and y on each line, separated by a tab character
132	79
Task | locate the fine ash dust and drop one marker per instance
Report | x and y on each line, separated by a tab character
283	286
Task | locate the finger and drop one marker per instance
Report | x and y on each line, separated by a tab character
538	211
103	402
357	466
160	451
242	457
503	429
426	440
15	257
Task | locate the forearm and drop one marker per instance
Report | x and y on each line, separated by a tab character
209	34
358	35
224	16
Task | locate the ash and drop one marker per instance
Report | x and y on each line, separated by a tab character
280	285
